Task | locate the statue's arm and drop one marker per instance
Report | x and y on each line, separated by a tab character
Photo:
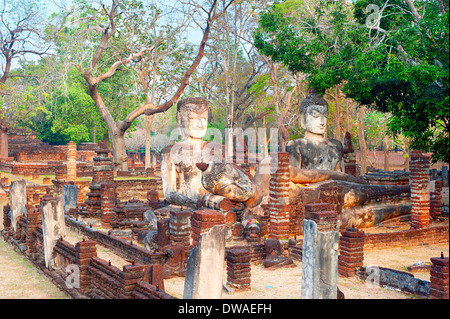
301	176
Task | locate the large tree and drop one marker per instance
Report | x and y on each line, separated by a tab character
104	57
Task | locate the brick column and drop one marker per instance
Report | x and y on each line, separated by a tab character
85	250
349	157
351	253
71	161
279	197
180	227
34	221
108	198
202	220
439	278
436	199
419	166
238	268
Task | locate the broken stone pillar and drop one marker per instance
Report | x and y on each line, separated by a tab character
53	226
18	200
279	197
439	278
351	254
72	161
320	254
419	166
70	196
205	266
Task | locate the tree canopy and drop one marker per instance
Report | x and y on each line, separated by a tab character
385	54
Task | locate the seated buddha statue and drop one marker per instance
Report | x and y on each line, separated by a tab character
314	150
181	180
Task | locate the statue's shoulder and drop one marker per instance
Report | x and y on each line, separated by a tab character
178	145
292	144
335	143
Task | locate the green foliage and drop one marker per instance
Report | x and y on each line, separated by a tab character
398	65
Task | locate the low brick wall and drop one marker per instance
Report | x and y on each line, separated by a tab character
409	237
138	189
122	247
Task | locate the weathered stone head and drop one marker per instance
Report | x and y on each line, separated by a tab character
314	113
192	117
227	180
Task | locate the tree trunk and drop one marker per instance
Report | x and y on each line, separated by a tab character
386	144
148	130
119	151
362	139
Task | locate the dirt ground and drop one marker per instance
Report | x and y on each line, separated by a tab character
19	279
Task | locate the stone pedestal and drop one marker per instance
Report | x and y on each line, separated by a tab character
419	165
439	279
279	197
351	254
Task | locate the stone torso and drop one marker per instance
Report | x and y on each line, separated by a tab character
307	154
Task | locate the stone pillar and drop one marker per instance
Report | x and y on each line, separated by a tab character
279	197
85	251
180	227
320	253
53	226
205	266
351	254
18	200
72	161
70	196
108	198
202	220
238	268
439	278
419	166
